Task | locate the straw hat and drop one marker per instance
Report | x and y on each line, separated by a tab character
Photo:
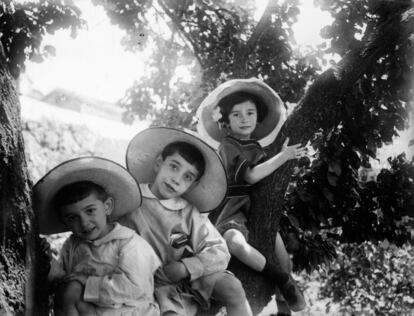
148	144
265	132
112	177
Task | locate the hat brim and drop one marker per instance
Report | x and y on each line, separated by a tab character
148	144
265	132
112	177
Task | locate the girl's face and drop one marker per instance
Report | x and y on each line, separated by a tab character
243	119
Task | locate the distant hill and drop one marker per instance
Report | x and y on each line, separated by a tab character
83	104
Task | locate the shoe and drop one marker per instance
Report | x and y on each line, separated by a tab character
293	295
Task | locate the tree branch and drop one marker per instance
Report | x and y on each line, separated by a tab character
261	25
245	50
192	45
317	109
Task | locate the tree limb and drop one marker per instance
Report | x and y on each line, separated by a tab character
319	108
246	50
192	45
261	25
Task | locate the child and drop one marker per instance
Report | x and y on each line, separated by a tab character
235	113
104	268
182	176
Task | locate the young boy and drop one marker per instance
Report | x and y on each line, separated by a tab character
182	177
104	268
233	114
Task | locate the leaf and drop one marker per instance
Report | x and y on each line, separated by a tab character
50	50
332	179
294	221
385	244
408	299
328	194
335	167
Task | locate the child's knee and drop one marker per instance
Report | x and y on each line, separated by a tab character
68	294
230	290
235	240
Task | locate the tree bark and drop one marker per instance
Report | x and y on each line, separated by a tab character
18	246
319	108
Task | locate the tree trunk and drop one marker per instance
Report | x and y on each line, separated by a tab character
319	108
18	246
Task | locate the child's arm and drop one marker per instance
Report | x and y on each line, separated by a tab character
260	171
133	279
210	250
176	271
54	261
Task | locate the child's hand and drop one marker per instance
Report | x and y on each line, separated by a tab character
81	278
46	255
45	247
293	151
176	271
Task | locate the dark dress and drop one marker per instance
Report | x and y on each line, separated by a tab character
238	155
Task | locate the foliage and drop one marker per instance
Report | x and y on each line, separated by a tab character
326	204
23	25
330	205
161	96
220	40
328	201
210	39
371	279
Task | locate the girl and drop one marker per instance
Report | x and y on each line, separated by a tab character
239	114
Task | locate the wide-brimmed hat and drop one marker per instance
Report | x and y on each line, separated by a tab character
147	145
112	177
265	132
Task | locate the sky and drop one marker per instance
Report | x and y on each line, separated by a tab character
95	63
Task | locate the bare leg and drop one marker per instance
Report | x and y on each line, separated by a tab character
85	308
66	296
282	255
229	291
240	248
280	272
285	265
284	262
68	301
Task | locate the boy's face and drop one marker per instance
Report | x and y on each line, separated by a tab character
87	218
243	119
174	177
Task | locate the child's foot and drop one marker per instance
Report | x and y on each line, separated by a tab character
293	295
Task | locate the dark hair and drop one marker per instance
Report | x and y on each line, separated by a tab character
227	103
189	152
74	192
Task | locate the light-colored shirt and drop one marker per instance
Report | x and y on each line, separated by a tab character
179	232
120	267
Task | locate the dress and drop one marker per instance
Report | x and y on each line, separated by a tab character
237	156
120	268
179	232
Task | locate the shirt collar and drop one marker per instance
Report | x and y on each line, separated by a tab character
174	204
242	141
117	232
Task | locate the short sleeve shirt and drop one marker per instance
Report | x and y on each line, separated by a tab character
239	155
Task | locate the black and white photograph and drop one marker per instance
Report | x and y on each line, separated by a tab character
207	157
